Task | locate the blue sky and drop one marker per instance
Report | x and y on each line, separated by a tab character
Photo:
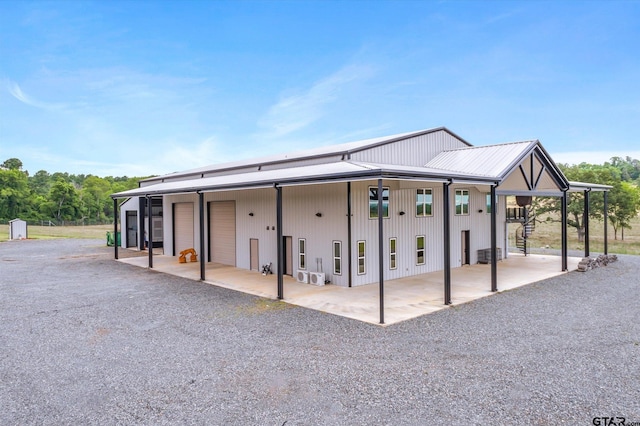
139	88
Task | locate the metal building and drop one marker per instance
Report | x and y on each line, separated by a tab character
353	214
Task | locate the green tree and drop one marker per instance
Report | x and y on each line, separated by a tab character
14	193
12	164
64	201
625	204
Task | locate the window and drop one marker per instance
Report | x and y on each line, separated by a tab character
420	258
337	258
462	201
489	203
302	254
392	253
424	202
361	250
373	202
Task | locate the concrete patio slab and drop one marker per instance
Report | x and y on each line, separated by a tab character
404	298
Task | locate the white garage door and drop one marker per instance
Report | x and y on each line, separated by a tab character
222	225
183	227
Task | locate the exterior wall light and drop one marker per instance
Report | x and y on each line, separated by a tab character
319	214
401	213
251	214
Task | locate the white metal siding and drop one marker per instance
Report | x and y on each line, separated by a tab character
184	229
222	223
416	151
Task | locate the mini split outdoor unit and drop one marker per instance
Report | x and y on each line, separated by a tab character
303	277
316	278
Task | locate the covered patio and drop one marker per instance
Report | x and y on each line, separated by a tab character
404	298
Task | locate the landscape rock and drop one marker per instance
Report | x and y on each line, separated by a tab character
588	263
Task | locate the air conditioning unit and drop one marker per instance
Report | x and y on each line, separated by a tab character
302	277
316	278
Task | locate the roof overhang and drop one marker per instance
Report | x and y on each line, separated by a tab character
585	186
342	171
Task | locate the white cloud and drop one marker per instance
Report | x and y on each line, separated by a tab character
294	112
15	90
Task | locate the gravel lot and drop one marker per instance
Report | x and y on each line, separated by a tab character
87	340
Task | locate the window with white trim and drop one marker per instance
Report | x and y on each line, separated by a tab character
393	244
361	257
420	250
489	202
337	257
302	254
462	201
424	202
373	202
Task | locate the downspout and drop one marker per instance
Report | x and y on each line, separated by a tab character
606	221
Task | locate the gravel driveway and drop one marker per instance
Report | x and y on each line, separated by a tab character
87	340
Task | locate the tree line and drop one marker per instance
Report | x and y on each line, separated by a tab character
84	199
61	198
622	174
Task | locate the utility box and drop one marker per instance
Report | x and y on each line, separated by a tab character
17	229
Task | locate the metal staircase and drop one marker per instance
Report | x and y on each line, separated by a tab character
524	231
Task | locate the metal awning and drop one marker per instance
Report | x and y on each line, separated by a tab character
341	171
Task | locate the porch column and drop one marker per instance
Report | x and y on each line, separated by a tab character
446	242
279	245
563	230
349	242
606	221
115	228
381	250
586	222
494	251
142	208
201	208
149	239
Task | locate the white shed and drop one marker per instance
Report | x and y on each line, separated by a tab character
17	229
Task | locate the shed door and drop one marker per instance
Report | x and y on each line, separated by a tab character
254	264
222	232
132	228
182	227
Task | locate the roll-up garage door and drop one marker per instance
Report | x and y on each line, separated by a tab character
222	226
182	227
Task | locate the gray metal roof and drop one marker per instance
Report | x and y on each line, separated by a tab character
491	160
584	186
324	151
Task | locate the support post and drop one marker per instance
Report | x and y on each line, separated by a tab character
446	242
142	211
586	222
606	222
349	242
149	239
381	249
563	231
494	250
201	208
279	245
115	228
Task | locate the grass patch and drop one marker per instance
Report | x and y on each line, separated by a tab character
548	233
262	305
50	232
